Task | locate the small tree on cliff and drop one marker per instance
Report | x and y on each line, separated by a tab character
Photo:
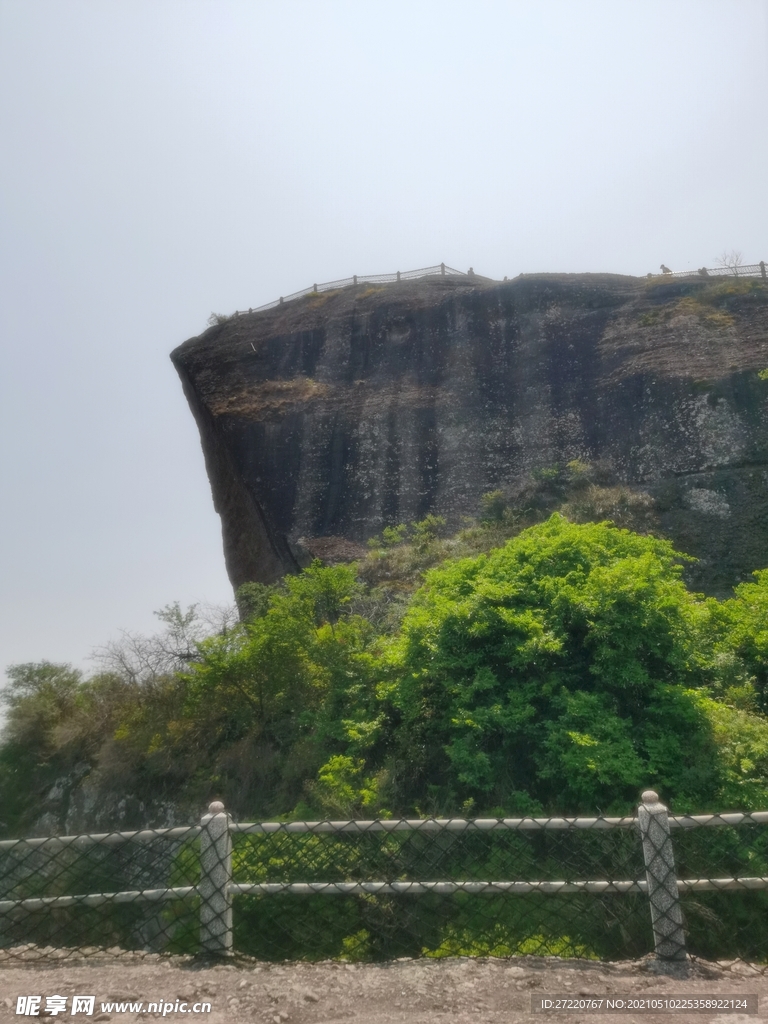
730	261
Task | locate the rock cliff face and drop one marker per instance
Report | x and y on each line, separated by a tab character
327	418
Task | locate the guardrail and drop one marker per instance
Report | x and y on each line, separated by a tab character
201	857
345	282
747	270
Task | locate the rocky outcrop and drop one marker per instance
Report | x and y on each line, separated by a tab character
325	419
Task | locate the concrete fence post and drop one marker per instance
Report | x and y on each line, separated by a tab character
215	878
762	269
398	275
659	857
354	278
442	269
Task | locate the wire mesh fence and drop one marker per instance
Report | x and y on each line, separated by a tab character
94	892
599	888
436	892
722	862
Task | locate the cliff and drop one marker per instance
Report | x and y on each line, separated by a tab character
325	419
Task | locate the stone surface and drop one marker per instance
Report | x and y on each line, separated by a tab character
332	416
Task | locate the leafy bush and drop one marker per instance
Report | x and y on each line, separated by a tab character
563	671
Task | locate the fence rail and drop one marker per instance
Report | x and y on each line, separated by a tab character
345	282
394	825
434	825
50	898
747	270
106	838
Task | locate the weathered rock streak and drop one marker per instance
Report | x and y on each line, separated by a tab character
340	413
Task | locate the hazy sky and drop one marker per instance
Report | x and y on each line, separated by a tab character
163	159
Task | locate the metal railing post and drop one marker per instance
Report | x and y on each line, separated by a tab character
215	879
659	857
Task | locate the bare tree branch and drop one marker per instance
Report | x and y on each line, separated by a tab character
143	659
730	261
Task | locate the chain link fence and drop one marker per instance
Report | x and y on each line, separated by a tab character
598	888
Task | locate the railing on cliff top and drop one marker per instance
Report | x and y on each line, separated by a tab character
749	270
345	282
327	286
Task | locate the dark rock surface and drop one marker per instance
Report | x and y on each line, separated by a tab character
327	418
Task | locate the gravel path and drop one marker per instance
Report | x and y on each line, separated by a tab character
459	991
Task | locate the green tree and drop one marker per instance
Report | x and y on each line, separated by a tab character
426	531
493	505
747	618
253	600
293	684
56	723
560	672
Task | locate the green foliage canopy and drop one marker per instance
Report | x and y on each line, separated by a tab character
562	672
566	670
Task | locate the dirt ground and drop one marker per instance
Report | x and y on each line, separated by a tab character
455	990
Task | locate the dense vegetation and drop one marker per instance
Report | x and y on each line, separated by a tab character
561	670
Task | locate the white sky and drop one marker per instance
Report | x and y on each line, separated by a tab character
163	159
